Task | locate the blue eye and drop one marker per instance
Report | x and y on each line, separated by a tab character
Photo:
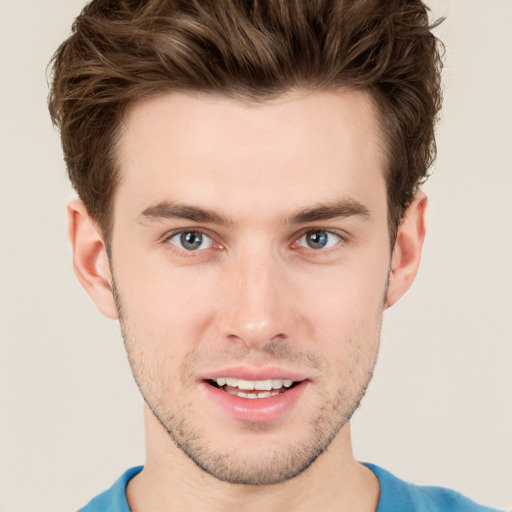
319	239
191	240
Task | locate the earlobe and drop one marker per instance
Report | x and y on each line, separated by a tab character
407	251
90	258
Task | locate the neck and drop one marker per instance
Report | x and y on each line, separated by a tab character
171	481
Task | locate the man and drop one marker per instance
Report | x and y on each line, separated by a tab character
248	177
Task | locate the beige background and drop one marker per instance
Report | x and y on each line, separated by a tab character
439	409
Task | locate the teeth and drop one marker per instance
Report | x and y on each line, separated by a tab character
260	394
245	384
249	385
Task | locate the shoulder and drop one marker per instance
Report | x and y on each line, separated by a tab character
396	495
113	499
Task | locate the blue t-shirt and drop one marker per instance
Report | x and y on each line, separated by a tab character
395	496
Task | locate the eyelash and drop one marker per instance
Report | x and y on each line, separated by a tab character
180	251
331	234
340	238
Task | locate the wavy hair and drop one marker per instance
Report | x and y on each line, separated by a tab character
121	51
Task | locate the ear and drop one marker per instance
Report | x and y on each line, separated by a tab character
90	259
407	251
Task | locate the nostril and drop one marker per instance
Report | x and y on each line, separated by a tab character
256	339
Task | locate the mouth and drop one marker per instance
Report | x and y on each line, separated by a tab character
255	395
253	389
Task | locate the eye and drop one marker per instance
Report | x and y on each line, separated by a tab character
318	239
191	240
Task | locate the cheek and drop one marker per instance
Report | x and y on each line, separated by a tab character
349	298
167	321
161	295
162	312
347	317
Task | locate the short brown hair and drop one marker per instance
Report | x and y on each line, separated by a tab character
121	51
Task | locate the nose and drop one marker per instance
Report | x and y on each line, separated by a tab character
256	306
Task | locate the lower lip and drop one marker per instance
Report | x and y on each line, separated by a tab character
256	410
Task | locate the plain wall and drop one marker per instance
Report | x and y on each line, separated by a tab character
439	409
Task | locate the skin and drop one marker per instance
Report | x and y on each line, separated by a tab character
253	294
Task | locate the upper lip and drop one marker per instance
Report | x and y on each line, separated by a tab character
255	373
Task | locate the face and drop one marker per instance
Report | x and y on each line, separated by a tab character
250	258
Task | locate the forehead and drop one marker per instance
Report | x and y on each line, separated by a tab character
301	147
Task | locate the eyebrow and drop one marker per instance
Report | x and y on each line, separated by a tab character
324	211
166	210
328	211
